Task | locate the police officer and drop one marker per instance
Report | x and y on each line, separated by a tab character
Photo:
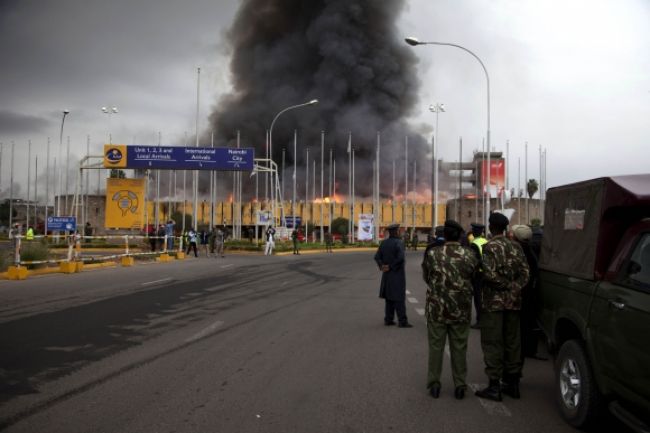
390	260
476	243
29	235
448	272
505	272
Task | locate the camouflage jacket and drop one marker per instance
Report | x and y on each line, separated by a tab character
505	272
448	270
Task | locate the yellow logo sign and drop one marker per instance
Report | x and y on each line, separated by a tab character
115	156
124	203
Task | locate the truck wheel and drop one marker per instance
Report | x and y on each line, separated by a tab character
577	393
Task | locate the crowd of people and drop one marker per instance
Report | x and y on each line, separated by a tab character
205	241
496	273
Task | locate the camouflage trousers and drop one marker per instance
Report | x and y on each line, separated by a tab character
501	343
458	334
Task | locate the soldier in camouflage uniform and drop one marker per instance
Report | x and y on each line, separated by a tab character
505	272
448	270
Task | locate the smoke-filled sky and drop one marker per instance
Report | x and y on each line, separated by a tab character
570	76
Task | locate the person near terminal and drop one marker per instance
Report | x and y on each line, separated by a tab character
505	272
204	237
191	242
220	240
448	272
169	232
29	235
270	241
329	240
476	242
88	232
414	241
391	262
160	233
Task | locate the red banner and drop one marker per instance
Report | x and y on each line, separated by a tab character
497	176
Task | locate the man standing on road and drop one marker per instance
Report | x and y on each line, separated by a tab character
505	272
270	242
448	272
529	337
169	232
414	241
390	259
220	241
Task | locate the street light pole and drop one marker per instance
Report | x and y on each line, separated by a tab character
312	102
413	42
58	203
110	111
437	108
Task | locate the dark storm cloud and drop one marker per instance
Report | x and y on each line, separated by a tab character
17	123
347	54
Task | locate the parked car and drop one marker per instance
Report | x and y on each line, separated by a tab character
595	298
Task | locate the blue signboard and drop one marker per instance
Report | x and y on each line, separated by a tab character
290	220
190	158
64	223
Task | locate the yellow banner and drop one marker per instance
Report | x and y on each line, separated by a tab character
115	155
124	203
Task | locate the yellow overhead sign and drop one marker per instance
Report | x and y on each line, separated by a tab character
124	203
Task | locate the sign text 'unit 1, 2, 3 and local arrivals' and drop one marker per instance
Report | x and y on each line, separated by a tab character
179	158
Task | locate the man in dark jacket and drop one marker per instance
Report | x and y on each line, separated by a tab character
390	260
529	336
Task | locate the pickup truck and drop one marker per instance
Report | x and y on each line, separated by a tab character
594	298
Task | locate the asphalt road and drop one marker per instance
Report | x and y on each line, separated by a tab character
239	344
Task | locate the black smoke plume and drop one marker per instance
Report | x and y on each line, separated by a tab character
345	53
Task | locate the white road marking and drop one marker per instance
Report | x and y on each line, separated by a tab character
491	407
164	280
413	300
205	331
408	292
227	266
420	311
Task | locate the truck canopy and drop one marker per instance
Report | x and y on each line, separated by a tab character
584	221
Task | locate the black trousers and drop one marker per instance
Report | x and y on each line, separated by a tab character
192	245
393	307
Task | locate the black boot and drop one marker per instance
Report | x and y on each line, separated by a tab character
492	392
510	387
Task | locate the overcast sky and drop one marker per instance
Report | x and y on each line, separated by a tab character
572	76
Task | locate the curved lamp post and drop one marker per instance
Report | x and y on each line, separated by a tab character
312	102
415	41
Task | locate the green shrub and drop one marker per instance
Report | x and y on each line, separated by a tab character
33	251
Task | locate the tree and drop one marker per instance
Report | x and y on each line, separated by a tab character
117	174
340	226
532	187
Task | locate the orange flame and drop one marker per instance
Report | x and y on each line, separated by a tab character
334	199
